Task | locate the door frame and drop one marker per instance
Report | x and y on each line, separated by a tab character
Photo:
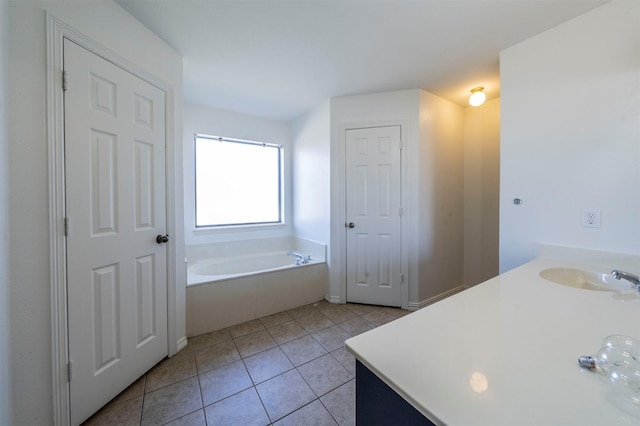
340	229
56	32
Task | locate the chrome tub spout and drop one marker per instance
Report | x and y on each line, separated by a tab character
300	258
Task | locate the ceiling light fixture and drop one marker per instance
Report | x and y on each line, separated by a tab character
477	97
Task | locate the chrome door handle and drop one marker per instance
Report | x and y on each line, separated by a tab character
351	225
161	239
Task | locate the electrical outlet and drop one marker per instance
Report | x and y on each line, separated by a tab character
590	218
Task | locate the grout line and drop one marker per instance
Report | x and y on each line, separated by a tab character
144	398
313	307
204	412
255	389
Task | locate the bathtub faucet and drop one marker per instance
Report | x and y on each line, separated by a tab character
633	279
300	258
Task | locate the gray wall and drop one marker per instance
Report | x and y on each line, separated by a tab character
5	349
481	191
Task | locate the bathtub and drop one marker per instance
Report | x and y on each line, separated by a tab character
212	270
226	287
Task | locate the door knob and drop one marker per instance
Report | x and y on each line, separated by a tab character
351	225
161	239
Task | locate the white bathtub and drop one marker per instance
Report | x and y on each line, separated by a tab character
232	288
211	270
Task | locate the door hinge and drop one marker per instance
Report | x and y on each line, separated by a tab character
66	226
401	278
69	370
400	211
401	145
65	80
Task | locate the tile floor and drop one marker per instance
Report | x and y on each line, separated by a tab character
290	368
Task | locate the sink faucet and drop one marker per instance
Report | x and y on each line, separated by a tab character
634	279
300	258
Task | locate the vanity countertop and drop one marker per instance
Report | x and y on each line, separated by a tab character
505	352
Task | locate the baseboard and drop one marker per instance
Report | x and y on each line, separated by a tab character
182	343
332	299
413	306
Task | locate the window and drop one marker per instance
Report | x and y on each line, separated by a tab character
238	182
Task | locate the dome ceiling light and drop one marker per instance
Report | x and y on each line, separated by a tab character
477	97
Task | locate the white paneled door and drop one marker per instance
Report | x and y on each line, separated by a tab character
373	214
115	204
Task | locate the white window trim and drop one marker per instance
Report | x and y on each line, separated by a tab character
239	227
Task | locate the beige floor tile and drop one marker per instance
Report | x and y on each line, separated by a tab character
209	339
133	391
251	344
172	370
258	372
324	374
313	414
337	313
216	356
303	350
171	402
284	394
302	311
282	333
346	359
315	321
243	409
331	338
275	319
124	413
223	382
341	403
267	364
361	309
378	317
194	419
355	326
322	303
246	328
394	312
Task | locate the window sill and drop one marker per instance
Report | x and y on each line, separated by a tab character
238	228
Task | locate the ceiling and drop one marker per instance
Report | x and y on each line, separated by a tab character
279	59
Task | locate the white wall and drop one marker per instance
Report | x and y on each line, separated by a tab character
5	349
481	192
388	108
570	135
440	195
29	297
311	135
432	161
217	122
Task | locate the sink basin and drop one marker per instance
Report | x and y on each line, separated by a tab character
580	278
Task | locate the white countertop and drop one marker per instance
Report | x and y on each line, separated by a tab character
518	334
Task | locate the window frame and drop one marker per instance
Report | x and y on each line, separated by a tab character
281	187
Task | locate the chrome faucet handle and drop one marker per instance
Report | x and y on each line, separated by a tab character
300	259
633	279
